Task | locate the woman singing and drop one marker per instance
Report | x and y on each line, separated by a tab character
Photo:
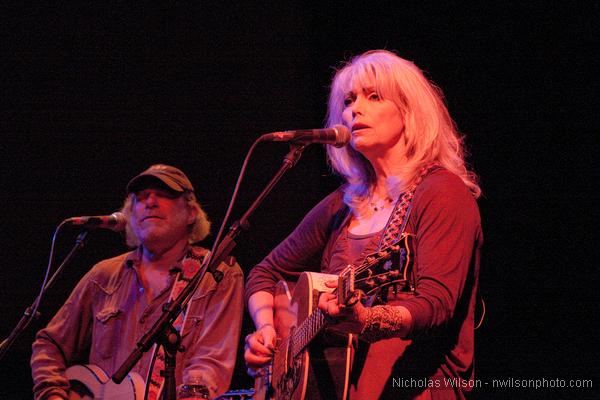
403	169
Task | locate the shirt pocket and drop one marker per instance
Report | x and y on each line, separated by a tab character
107	331
197	310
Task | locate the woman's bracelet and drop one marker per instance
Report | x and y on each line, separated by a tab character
382	322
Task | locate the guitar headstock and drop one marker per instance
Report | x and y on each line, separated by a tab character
387	266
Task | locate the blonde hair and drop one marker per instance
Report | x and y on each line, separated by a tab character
198	230
430	134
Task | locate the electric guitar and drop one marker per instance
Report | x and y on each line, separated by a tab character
90	382
292	373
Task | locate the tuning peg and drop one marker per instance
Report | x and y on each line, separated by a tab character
394	274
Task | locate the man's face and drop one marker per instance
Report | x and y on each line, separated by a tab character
159	216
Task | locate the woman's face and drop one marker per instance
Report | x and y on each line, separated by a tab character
376	124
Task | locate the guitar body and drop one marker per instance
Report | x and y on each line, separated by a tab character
89	382
292	377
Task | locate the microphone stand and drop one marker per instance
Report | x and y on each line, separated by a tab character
162	332
29	314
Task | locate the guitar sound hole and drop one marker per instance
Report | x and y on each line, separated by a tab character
79	390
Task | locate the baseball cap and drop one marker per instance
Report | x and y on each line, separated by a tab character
172	177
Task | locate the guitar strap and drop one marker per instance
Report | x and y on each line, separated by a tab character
399	217
189	266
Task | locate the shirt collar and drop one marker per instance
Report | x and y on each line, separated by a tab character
134	258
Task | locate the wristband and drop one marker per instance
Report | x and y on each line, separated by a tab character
382	322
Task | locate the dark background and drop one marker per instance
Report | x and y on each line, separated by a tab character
93	94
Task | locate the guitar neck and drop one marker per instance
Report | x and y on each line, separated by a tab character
312	325
306	331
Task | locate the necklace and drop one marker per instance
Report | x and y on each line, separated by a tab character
381	203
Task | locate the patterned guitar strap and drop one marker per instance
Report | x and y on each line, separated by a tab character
399	217
189	266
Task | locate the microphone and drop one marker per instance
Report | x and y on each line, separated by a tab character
115	221
337	136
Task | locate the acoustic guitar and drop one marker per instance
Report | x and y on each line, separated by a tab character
293	371
90	382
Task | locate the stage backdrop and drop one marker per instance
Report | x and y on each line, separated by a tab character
92	95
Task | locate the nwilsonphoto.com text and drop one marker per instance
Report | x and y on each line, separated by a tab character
509	383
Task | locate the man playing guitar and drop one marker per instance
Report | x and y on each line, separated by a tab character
119	300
